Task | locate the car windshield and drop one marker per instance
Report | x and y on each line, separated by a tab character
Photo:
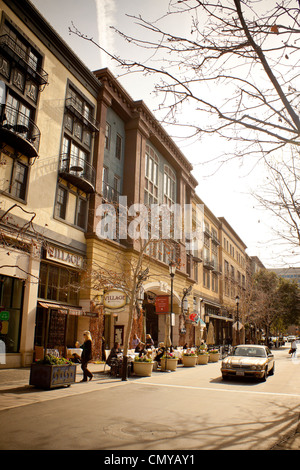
249	351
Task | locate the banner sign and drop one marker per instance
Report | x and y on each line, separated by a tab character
162	304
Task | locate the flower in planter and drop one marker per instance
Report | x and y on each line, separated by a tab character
142	359
202	352
213	351
189	352
169	355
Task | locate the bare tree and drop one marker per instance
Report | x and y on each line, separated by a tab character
239	63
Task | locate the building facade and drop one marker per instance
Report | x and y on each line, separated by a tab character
74	145
47	131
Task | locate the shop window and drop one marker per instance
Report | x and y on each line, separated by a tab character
11	300
58	284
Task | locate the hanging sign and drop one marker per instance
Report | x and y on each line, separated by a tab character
114	299
194	317
162	304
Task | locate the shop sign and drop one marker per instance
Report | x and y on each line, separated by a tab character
4	315
61	256
162	304
114	299
194	317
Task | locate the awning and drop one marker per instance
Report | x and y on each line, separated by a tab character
66	309
219	317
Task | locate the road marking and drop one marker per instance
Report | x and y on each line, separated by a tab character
296	395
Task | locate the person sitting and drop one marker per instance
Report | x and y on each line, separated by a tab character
140	349
149	342
113	353
160	352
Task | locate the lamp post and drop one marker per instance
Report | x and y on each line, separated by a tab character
237	301
172	270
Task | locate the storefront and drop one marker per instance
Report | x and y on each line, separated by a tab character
221	323
60	320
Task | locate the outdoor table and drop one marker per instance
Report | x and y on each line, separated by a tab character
71	351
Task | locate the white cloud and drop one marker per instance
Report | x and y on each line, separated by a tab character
106	11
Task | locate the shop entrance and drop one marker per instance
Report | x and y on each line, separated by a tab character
151	321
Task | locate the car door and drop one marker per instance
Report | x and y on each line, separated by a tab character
270	359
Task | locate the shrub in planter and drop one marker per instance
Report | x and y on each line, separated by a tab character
169	362
203	357
52	372
143	366
189	358
214	355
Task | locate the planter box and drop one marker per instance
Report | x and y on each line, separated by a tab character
48	376
214	357
203	359
189	361
168	364
143	369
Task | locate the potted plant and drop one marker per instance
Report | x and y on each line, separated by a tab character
169	361
143	366
203	356
52	372
214	355
189	358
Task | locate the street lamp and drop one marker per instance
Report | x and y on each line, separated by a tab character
172	271
237	301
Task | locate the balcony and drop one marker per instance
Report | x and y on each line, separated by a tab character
18	53
19	131
109	193
208	263
78	172
76	109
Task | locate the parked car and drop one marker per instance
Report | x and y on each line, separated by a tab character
249	360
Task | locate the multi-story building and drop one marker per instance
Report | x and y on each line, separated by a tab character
73	142
138	161
47	133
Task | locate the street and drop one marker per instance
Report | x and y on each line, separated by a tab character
190	409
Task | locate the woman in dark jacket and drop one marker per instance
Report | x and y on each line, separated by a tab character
86	356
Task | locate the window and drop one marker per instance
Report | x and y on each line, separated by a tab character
151	176
61	202
107	136
169	186
81	213
57	283
19	180
118	147
11	298
206	279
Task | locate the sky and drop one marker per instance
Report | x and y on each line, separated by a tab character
226	191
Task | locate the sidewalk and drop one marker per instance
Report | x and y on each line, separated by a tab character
14	383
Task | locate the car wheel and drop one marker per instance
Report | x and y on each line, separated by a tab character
265	376
272	370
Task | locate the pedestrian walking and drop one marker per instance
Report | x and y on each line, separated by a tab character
293	349
86	356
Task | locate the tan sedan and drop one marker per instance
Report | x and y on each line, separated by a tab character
249	360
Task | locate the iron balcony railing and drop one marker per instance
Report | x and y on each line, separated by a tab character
24	135
78	171
109	193
76	108
25	60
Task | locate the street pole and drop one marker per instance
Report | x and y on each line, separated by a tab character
172	270
237	300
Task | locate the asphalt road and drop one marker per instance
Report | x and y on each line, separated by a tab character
190	409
